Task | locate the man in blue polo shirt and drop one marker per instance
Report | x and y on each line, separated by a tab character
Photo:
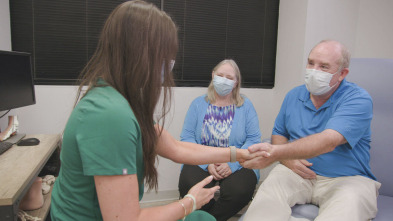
321	137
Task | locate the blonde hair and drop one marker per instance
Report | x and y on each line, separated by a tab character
236	97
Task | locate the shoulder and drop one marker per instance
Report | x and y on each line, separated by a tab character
108	99
107	106
247	102
297	93
299	90
201	100
247	107
349	90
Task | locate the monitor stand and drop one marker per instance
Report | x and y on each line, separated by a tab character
15	138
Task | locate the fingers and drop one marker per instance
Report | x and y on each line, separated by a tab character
261	147
205	181
254	148
256	163
301	167
223	170
205	195
214	189
259	154
216	175
306	163
307	173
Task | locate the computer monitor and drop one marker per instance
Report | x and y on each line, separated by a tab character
16	80
16	83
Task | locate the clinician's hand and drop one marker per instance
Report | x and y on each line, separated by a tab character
203	195
301	167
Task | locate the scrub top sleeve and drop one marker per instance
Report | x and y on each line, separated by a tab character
352	118
108	144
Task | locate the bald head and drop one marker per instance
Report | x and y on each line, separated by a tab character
337	49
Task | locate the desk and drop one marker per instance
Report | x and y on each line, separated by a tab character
19	166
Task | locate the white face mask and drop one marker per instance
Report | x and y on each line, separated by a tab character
318	82
223	86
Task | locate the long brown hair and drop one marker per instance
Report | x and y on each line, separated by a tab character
136	42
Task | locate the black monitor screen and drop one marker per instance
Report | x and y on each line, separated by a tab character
16	80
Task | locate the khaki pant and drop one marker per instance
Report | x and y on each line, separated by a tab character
341	198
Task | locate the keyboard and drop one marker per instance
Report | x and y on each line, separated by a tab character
4	146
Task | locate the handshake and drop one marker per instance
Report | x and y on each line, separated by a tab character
257	156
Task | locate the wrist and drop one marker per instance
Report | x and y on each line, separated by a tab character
233	154
239	155
184	208
193	201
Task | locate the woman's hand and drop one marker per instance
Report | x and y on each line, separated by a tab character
223	169
203	195
213	171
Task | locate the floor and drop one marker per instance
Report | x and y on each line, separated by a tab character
234	218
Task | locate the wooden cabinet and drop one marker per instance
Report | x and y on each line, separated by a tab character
19	166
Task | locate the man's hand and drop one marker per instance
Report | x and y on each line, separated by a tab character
261	156
301	167
260	150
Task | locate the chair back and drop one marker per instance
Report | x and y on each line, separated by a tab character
376	76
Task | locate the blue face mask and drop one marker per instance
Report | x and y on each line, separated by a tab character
223	86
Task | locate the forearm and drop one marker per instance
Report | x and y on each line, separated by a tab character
308	147
194	154
122	202
278	139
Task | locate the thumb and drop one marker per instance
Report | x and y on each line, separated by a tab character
306	163
253	148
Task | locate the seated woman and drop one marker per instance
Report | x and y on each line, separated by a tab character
222	118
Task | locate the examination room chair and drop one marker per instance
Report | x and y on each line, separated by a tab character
376	76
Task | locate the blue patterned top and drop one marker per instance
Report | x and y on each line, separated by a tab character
217	125
244	132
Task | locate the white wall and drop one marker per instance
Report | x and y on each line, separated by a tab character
374	29
363	25
333	19
5	36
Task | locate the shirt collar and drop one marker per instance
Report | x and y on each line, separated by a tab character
305	96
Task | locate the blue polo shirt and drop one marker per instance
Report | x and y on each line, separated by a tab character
348	111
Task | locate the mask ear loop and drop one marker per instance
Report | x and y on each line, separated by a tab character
338	71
